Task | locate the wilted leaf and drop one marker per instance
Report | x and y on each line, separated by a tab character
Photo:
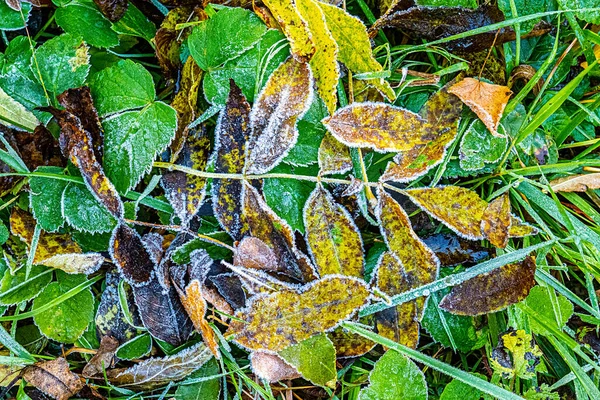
155	372
452	250
168	43
231	293
314	358
334	157
53	378
272	367
131	256
519	228
73	263
294	27
496	221
110	318
253	253
395	377
399	323
112	9
485	99
576	183
334	240
184	191
103	359
231	134
492	291
551	306
516	355
285	318
284	99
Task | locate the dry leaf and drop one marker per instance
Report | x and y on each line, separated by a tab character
272	367
453	250
131	256
576	183
53	378
112	9
251	252
493	291
485	99
277	321
333	156
103	359
349	344
496	220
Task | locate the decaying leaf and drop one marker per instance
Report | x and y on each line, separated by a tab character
184	191
294	27
485	99
110	318
349	344
131	256
576	183
53	378
74	263
231	134
277	321
492	291
271	367
516	354
452	250
113	9
399	323
285	98
155	372
103	359
229	294
334	240
253	253
496	221
334	157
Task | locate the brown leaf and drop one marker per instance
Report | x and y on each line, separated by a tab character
576	183
112	9
103	359
485	99
334	157
288	317
349	344
453	250
493	291
132	257
53	378
496	221
272	367
284	100
253	253
231	134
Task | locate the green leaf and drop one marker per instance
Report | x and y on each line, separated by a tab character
10	19
135	23
310	134
522	8
15	288
83	18
13	113
459	390
4	233
67	321
204	389
226	35
136	348
63	63
247	70
588	16
123	86
84	212
479	147
132	140
314	358
394	377
45	198
547	303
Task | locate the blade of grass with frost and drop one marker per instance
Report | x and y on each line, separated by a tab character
435	364
11	344
547	278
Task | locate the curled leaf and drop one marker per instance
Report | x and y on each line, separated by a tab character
53	378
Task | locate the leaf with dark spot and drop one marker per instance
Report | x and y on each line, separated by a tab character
112	9
110	318
53	378
130	255
496	221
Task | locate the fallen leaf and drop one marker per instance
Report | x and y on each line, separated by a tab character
229	289
277	321
294	27
496	220
53	378
251	252
286	97
103	359
516	355
576	183
73	263
492	291
113	9
272	367
231	134
314	358
131	256
349	344
485	99
110	318
333	156
452	250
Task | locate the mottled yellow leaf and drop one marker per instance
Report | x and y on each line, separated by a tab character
294	28
333	238
283	101
349	344
519	228
485	99
333	156
576	183
354	45
492	291
285	318
324	62
496	220
516	354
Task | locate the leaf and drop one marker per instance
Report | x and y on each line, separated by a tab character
400	323
110	318
285	98
204	389
155	372
350	34
16	288
453	250
231	134
492	291
523	7
63	63
333	237
576	183
334	157
210	47
53	378
10	19
285	318
103	359
586	9
549	305
184	191
13	113
460	390
314	358
323	63
272	367
516	355
348	344
484	99
84	212
496	221
66	321
135	23
168	45
131	256
82	18
478	147
185	103
294	27
253	253
136	348
44	198
395	377
74	263
112	9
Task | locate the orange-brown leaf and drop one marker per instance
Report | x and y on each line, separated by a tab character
53	378
496	221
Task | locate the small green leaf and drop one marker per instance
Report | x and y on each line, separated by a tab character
479	147
136	348
135	23
83	18
314	358
548	304
84	212
394	377
459	390
523	8
204	390
4	233
15	288
10	19
67	321
45	198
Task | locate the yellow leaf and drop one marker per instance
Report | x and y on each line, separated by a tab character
516	354
485	99
354	45
334	157
576	183
349	344
324	62
334	239
294	28
285	318
496	221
